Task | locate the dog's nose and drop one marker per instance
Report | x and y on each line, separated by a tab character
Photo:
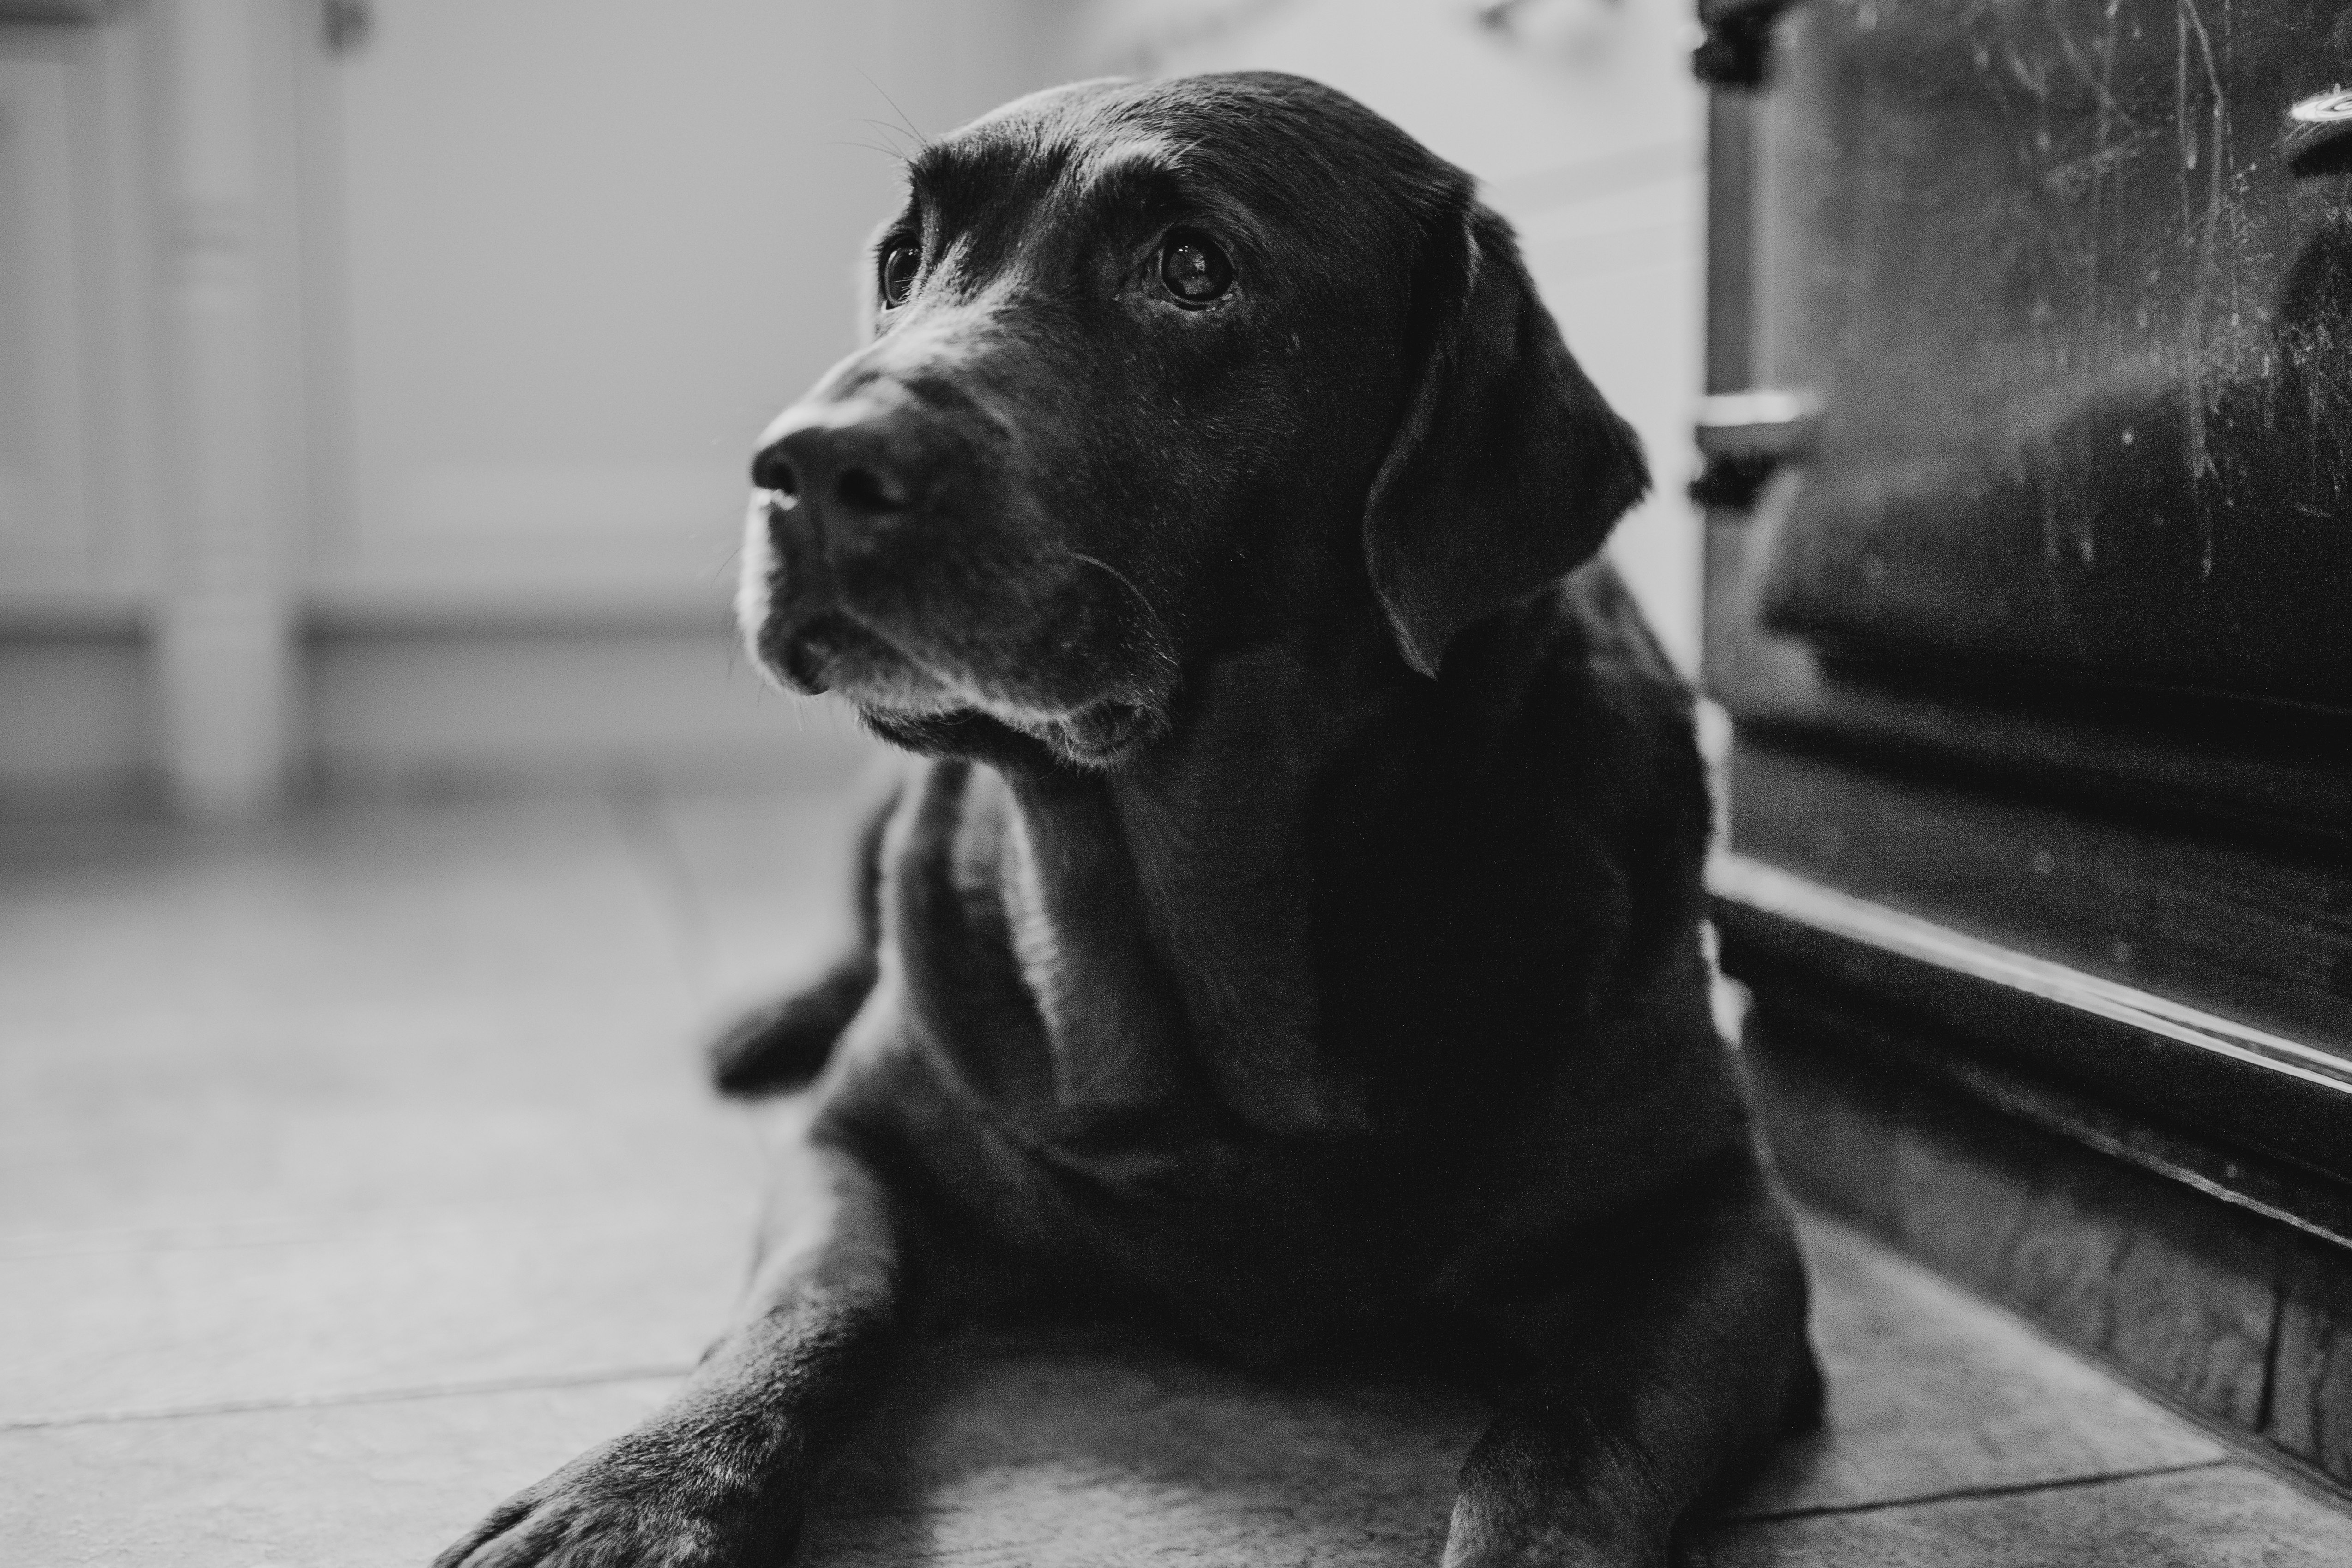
846	472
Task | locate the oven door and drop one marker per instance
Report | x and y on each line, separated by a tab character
2030	566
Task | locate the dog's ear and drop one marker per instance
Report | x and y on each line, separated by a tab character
1508	468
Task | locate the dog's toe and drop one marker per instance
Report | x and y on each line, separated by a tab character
619	1506
567	1532
785	1045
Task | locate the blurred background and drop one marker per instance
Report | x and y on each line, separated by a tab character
378	377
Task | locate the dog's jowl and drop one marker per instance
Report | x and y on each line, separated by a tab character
1287	923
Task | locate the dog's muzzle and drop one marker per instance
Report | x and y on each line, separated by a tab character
846	492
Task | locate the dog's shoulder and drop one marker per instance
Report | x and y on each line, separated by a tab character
1574	685
1576	713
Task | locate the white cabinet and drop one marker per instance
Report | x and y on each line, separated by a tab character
73	550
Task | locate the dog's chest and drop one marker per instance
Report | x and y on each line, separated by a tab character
1053	1061
1077	982
1159	934
1238	938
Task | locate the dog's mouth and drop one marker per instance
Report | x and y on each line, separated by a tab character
906	698
980	655
834	652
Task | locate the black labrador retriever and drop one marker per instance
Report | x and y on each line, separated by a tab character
1293	925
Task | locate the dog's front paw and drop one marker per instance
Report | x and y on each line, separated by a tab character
1549	1534
648	1500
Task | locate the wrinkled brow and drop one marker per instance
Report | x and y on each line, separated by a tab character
1134	162
1149	177
962	178
1160	177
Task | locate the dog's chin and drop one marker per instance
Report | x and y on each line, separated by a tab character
1098	737
922	709
1103	734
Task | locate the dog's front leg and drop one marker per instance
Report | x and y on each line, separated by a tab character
1682	1358
717	1475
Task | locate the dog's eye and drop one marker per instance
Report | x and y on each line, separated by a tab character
1192	269
899	265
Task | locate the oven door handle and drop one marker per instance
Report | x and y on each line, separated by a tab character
2318	138
1738	42
1746	437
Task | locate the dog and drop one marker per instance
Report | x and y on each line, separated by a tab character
1289	924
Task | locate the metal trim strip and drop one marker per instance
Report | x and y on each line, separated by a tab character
1771	890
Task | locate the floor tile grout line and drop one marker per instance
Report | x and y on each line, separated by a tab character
382	1222
1963	1494
337	1401
2250	1446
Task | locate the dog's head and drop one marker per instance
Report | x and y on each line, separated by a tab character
1162	370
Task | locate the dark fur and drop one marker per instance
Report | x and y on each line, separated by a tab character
1295	924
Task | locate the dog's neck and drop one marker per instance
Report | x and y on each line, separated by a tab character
1200	938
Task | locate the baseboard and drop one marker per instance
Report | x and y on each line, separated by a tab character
431	708
78	724
2233	1314
437	707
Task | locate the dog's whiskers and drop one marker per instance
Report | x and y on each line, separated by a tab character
890	152
921	140
1161	640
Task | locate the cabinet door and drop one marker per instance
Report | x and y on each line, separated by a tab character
47	542
574	258
76	543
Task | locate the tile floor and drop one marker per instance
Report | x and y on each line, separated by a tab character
354	1173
